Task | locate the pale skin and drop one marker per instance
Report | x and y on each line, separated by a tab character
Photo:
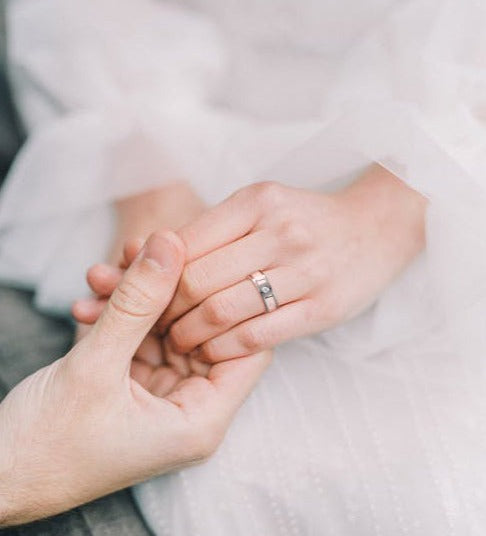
84	426
327	256
123	405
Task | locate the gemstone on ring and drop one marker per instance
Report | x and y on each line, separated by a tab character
262	284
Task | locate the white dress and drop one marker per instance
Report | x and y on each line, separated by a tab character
379	426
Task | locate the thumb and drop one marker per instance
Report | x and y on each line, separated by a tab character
137	302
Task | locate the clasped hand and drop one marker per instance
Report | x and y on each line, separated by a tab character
327	257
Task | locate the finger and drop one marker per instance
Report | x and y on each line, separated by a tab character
234	380
224	310
220	269
231	383
199	368
259	333
150	351
103	279
142	295
220	225
131	249
87	311
176	360
163	381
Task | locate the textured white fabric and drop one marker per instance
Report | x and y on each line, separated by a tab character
377	427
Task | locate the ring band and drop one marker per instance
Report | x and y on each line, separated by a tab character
262	284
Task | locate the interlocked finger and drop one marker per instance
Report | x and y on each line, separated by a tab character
220	269
234	305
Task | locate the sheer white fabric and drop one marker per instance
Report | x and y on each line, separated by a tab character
378	426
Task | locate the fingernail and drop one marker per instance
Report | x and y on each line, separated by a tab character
160	249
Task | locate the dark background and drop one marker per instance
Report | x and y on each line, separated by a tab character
11	134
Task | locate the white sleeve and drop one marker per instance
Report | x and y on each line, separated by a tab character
89	77
94	81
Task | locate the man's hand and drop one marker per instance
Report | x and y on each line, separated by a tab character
83	427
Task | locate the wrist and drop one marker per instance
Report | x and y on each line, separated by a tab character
394	211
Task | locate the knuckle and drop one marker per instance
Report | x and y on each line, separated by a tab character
240	193
269	193
216	311
251	339
205	439
295	235
190	286
331	313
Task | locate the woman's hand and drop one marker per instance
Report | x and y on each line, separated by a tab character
327	258
83	427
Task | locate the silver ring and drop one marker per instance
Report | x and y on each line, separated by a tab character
262	284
